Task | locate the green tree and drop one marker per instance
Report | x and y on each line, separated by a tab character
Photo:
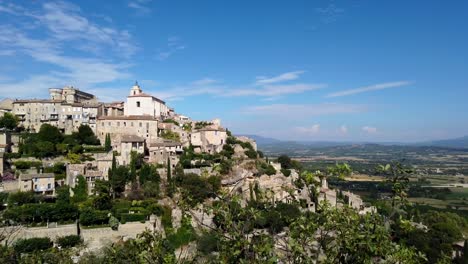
85	135
119	179
170	183
8	121
80	192
50	133
108	144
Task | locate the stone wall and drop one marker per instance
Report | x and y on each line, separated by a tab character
94	238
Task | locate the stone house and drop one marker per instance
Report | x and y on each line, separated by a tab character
43	183
114	109
117	126
6	106
209	139
184	135
160	151
5	141
129	143
88	171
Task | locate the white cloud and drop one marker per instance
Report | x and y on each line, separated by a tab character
173	45
369	129
302	111
343	130
66	23
204	81
274	90
309	130
330	13
140	6
32	87
374	87
288	76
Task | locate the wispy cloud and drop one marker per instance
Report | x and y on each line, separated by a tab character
302	111
288	76
274	90
66	23
369	129
330	13
374	87
343	130
66	29
140	5
204	81
174	44
312	130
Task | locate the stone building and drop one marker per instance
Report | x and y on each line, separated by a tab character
67	109
142	104
88	171
6	106
114	109
117	126
184	135
160	151
129	143
5	141
43	183
209	139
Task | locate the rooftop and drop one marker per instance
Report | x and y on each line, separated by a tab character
25	177
131	138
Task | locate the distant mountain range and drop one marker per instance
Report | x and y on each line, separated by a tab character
459	143
448	143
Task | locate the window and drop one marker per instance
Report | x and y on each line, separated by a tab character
49	186
138	103
131	124
35	186
125	124
140	124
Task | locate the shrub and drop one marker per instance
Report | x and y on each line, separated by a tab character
32	244
26	164
69	241
252	154
208	242
90	217
137	217
286	172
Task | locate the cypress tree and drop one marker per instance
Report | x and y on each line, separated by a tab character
170	186
107	144
111	171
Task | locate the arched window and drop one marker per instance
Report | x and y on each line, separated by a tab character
138	103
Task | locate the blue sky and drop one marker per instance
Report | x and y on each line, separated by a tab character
303	70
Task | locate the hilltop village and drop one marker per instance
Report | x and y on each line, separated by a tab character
95	174
143	125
